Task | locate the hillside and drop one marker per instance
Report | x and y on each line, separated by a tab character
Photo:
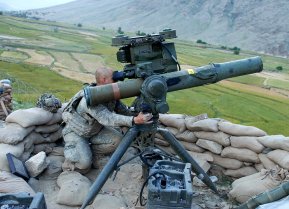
259	25
4	7
41	57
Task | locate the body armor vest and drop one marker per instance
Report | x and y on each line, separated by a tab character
82	124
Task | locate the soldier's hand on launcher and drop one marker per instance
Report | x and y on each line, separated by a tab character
143	118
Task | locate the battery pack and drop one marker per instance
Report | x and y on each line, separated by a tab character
170	186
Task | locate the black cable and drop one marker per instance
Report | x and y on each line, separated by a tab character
144	184
173	57
166	154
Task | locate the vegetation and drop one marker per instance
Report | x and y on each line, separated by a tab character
279	68
199	41
78	49
30	81
250	80
139	33
119	31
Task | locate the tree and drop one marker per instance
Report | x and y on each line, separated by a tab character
103	28
139	33
79	25
120	31
237	51
279	68
199	41
1	13
55	29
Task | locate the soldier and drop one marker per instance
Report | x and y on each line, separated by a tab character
91	124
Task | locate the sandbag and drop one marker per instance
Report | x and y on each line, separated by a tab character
245	178
281	157
173	130
74	188
227	162
57	117
57	151
187	136
173	120
192	119
204	125
52	137
275	142
219	137
259	167
240	154
17	150
34	138
192	147
10	183
26	155
203	164
247	142
248	164
28	141
266	162
46	147
240	130
202	156
210	145
251	186
30	117
12	133
241	172
54	167
47	128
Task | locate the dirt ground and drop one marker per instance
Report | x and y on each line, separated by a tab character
123	191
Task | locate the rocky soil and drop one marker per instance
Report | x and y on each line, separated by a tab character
123	191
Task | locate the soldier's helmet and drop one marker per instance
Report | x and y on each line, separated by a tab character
48	102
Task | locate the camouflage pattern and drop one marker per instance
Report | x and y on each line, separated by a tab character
49	102
6	106
84	123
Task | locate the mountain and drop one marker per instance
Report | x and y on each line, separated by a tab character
259	25
5	7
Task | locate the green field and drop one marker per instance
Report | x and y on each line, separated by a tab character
80	49
249	79
278	84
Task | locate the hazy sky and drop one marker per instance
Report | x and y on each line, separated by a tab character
32	4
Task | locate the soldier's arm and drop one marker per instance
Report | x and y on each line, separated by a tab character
108	118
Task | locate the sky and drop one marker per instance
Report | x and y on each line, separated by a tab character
32	4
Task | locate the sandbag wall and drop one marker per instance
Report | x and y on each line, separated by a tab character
27	132
240	150
5	99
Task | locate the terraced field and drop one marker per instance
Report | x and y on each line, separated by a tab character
51	57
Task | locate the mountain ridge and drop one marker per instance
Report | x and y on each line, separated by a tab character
259	25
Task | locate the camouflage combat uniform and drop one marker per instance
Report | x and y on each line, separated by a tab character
86	125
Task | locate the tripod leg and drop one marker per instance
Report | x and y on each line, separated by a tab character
184	155
110	166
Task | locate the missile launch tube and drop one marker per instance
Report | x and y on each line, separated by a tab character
175	80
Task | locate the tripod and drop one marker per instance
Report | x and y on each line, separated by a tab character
143	132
